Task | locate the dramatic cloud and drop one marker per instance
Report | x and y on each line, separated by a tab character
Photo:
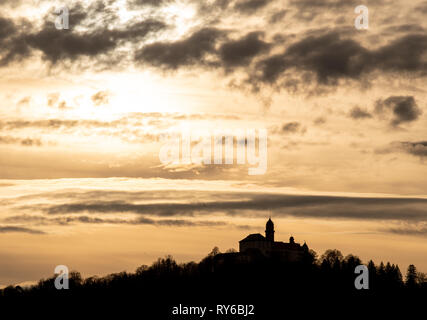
246	204
186	52
327	56
405	54
240	52
57	45
400	109
85	38
12	48
316	57
216	62
7	27
331	58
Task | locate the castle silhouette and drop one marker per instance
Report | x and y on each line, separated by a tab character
256	243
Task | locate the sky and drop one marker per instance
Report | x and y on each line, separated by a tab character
86	111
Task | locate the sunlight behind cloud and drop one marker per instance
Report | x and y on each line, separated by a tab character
182	15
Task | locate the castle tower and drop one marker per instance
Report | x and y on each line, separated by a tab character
269	230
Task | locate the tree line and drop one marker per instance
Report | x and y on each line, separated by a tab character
228	277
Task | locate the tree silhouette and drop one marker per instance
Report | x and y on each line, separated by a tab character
214	252
411	277
332	256
230	276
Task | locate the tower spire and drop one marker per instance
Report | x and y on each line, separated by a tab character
269	230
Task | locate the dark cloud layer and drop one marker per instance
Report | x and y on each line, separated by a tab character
309	4
240	52
14	229
12	47
418	149
250	6
167	208
400	109
91	40
331	58
134	4
186	52
418	229
335	207
70	45
323	57
7	27
58	45
65	221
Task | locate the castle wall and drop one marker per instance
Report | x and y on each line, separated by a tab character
289	255
263	246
